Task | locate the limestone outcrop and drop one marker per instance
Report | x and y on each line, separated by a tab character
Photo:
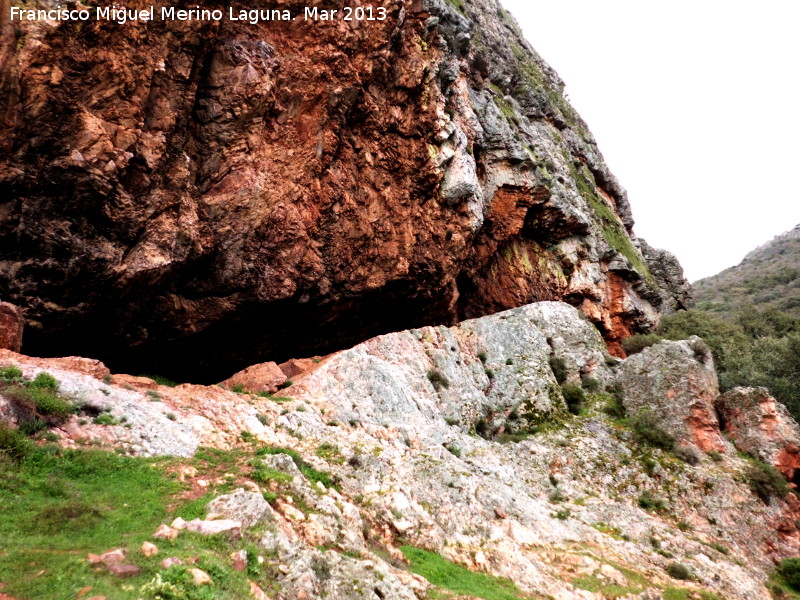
675	382
761	426
221	195
457	440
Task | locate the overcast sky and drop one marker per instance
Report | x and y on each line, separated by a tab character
695	106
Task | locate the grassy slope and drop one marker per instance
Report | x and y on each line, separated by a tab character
59	505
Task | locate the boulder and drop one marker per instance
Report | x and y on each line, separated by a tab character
12	323
248	508
761	426
200	577
677	382
263	377
494	370
76	364
204	527
124	570
149	549
296	366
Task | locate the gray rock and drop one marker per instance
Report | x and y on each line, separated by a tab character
248	507
676	382
675	290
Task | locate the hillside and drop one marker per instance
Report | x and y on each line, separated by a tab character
768	277
505	458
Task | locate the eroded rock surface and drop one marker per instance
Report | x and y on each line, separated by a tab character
761	426
677	383
562	504
222	195
12	323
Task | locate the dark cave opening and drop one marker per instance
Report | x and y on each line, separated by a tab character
256	333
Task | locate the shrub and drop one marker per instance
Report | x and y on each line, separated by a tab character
559	368
14	445
637	343
715	456
648	501
574	397
32	426
679	571
720	548
330	453
437	379
590	384
44	381
161	380
306	469
687	454
614	407
10	374
563	514
263	474
454	450
645	428
766	481
48	403
105	419
789	569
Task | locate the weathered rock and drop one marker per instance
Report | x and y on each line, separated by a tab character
239	560
572	493
256	592
204	527
761	426
278	203
73	364
263	377
677	382
12	323
200	577
149	549
165	532
481	370
674	289
170	562
296	366
123	570
113	557
247	508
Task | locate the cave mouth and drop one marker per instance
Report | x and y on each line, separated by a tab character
257	333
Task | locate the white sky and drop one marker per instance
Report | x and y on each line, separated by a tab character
696	107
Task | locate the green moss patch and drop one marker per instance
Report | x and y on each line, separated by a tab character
460	580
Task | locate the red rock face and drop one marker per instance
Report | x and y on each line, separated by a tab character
11	326
761	426
193	197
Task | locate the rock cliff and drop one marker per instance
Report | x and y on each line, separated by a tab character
198	196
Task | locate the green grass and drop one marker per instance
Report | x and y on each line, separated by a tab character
459	580
608	590
306	469
59	505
